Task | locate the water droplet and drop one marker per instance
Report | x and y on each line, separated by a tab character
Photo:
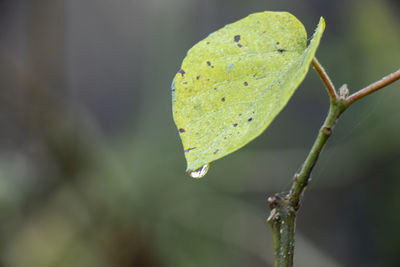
200	172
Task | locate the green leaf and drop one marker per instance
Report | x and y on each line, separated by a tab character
233	83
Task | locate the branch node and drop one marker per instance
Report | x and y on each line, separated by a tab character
344	91
327	130
272	216
271	202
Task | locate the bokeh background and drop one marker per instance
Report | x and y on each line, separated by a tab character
91	165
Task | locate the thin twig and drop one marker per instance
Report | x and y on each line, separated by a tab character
325	78
373	87
284	206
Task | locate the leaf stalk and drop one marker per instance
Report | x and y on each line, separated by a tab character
325	79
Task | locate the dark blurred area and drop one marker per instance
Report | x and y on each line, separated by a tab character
91	165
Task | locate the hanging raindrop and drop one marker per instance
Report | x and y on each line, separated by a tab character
200	172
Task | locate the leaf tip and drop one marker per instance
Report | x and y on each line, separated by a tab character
321	23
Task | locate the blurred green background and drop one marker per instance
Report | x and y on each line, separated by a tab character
91	165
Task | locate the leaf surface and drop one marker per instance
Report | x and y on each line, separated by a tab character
232	84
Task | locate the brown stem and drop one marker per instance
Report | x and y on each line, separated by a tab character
373	87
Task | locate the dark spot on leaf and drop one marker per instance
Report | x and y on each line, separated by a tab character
198	77
223	99
277	43
181	71
280	50
208	43
239	45
250	119
216	151
215	88
245	84
208	63
224	137
187	150
240	114
235	124
236	38
181	130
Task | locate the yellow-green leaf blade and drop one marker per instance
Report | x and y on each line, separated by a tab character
233	83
